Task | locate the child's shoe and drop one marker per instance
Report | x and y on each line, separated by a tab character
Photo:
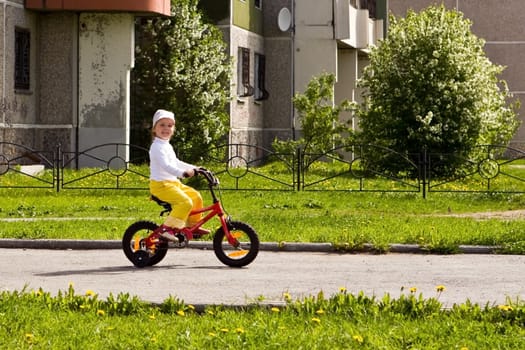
167	233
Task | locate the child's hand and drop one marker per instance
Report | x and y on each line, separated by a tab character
189	173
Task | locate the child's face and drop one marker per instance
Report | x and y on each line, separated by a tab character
164	128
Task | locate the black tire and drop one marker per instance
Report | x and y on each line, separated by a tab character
239	256
142	257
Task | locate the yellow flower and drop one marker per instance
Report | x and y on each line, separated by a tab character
320	312
225	330
180	313
151	317
464	348
211	334
342	289
209	312
358	338
316	320
90	293
239	330
191	307
440	288
275	309
101	312
505	307
413	289
287	296
30	336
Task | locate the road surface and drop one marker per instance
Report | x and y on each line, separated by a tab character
197	277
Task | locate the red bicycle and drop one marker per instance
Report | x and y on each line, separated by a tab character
235	243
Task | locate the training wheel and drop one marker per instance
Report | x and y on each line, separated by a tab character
140	258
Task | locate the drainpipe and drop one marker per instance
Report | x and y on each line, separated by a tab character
76	97
4	56
292	83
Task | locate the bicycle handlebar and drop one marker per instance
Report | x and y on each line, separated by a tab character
210	177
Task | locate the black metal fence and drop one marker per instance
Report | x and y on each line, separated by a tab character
500	169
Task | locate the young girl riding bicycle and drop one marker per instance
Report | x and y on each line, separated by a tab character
166	170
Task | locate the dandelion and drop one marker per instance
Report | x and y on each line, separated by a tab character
413	289
316	320
464	348
151	317
30	337
320	312
191	307
225	330
342	289
275	309
505	307
287	296
90	293
239	330
180	313
211	334
358	338
209	312
440	288
100	312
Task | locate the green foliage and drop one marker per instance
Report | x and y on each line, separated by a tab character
430	86
321	128
38	320
181	65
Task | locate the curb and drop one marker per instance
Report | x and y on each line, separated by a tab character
66	244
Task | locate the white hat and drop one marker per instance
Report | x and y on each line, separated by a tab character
160	114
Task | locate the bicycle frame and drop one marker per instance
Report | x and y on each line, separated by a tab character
215	209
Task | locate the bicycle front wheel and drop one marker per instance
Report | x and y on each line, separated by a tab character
243	252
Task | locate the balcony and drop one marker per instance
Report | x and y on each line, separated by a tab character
355	27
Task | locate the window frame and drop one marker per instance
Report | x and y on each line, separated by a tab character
22	66
244	88
259	67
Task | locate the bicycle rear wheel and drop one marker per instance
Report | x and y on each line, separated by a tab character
134	245
243	252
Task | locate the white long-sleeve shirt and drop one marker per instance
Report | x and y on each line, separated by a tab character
164	164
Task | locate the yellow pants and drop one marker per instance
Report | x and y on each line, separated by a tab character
182	198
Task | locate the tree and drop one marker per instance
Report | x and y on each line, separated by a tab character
321	128
181	65
430	86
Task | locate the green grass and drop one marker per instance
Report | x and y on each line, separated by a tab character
348	220
37	320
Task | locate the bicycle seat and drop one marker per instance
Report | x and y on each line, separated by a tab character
160	202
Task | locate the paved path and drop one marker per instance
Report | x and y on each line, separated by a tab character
197	277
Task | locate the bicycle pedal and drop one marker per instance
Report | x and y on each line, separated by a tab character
182	243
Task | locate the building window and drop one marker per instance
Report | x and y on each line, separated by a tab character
243	73
259	73
22	54
258	4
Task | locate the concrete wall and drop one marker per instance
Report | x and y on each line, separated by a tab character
246	120
106	44
501	24
18	107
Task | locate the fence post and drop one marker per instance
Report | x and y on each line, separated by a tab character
57	164
299	167
423	164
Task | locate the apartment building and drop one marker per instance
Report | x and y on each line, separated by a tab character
278	46
64	68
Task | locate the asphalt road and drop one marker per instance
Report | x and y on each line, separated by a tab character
197	277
